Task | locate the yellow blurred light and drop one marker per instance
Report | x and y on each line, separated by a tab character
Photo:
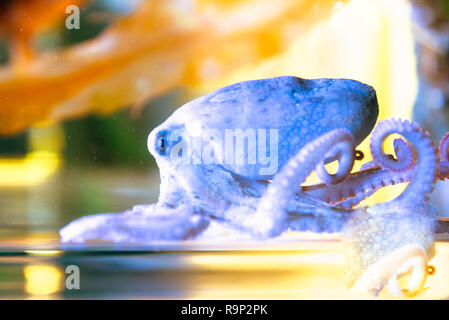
42	279
45	141
35	168
44	252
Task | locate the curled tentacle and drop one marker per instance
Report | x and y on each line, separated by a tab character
360	185
408	259
425	172
345	155
403	154
271	213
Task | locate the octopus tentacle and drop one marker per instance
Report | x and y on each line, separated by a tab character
271	213
402	228
403	154
375	240
353	202
143	223
357	186
423	180
411	256
344	152
360	185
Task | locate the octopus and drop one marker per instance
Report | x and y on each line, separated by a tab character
239	156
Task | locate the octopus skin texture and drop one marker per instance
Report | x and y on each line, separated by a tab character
310	123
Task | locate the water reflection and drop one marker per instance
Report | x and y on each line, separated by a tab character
287	269
42	279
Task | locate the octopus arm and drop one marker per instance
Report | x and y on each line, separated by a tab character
271	215
408	259
391	238
426	165
357	186
362	184
143	223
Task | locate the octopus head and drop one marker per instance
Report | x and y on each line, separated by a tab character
167	144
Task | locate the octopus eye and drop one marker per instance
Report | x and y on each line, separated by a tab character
161	143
